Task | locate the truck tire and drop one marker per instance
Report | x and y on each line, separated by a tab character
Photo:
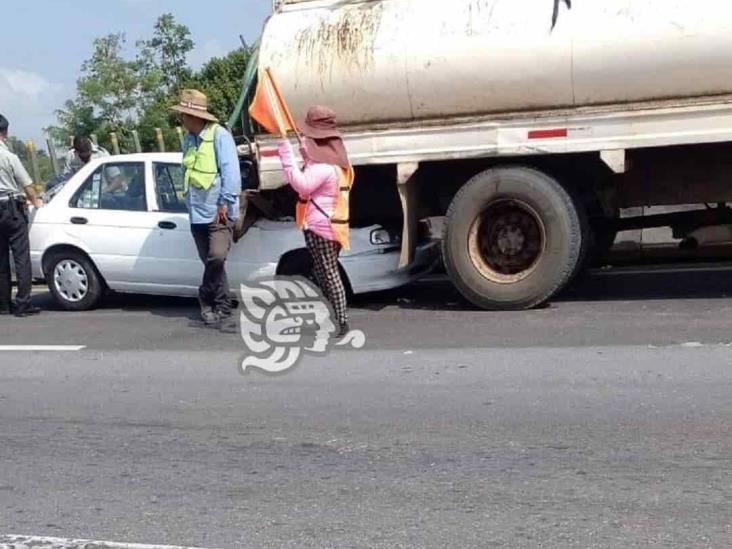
513	238
73	280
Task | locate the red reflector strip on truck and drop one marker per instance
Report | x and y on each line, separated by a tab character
548	134
268	153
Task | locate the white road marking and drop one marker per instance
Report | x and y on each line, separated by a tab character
42	348
39	542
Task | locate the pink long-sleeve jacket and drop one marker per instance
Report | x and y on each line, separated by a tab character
317	182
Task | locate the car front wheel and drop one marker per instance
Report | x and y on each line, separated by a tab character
74	281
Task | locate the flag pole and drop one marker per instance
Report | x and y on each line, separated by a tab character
274	103
281	101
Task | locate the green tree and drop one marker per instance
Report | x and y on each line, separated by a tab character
45	167
116	93
110	94
221	79
166	54
74	119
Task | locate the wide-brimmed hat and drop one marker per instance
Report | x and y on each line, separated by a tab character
322	139
327	151
194	103
320	123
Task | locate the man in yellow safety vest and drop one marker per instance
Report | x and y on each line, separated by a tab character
212	183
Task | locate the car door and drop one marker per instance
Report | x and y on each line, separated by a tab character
109	214
177	263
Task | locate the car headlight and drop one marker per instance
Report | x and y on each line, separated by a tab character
383	237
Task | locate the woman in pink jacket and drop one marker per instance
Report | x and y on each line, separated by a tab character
318	184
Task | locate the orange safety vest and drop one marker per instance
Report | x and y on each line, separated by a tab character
341	216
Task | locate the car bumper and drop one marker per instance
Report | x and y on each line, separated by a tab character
380	271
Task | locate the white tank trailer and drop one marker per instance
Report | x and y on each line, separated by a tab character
521	128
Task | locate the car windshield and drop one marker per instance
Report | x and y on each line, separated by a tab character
54	185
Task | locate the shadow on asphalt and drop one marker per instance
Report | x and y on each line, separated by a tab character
652	283
438	294
163	306
617	284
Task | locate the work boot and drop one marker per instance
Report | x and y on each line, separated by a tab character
208	315
27	311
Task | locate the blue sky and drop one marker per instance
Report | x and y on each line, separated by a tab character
46	41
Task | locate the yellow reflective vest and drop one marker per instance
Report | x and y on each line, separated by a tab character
200	162
340	220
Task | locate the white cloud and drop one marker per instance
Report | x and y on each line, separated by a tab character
19	82
28	100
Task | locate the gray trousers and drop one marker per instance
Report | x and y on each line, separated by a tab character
213	241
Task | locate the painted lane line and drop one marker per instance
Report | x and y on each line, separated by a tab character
42	348
39	542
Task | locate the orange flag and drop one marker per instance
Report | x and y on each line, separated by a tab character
269	108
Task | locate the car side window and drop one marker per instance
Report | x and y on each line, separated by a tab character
169	187
113	187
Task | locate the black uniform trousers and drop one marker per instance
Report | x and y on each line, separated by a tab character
14	236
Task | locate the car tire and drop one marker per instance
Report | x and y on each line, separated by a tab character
73	280
513	239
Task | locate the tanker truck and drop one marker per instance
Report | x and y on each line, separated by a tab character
516	129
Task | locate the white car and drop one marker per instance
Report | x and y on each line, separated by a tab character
121	223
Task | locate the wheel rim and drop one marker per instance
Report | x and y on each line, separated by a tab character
71	280
506	241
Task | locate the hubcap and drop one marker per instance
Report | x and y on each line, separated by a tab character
506	241
70	280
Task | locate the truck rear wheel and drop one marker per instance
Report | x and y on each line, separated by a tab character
513	238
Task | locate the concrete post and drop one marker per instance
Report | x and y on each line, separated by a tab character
115	143
136	139
160	140
37	185
52	156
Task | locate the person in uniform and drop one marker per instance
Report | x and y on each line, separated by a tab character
15	187
213	183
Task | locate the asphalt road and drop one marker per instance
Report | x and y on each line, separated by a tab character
603	420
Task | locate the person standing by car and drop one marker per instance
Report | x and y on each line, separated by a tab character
323	210
85	151
14	183
82	152
213	182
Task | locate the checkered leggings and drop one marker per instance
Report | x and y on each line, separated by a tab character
325	263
